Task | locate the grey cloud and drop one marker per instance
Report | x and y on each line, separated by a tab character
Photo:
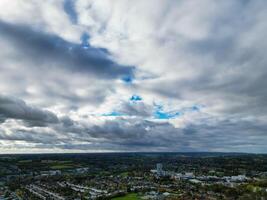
142	135
138	134
67	122
210	56
226	70
129	134
119	129
30	136
13	108
137	108
42	48
40	67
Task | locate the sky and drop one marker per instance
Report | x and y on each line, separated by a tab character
143	75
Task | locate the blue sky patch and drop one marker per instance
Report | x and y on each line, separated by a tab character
85	40
136	98
166	115
127	79
161	114
112	114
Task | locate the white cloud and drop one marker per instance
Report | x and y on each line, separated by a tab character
185	53
46	16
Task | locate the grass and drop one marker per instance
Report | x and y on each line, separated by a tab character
25	161
131	196
124	174
61	166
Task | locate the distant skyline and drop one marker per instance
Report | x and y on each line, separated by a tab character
134	76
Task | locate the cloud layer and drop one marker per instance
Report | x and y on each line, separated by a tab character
120	76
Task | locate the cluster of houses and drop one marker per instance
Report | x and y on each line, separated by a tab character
159	172
43	193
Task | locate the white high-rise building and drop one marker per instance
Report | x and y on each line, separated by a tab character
159	169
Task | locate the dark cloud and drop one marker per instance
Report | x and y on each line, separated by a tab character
210	56
120	129
42	49
69	8
136	108
137	134
66	121
31	136
13	108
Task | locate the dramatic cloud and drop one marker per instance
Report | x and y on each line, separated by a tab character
106	75
18	109
44	49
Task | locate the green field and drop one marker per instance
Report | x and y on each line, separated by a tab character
25	161
132	196
62	166
124	174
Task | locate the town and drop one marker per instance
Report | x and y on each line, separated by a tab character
133	176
